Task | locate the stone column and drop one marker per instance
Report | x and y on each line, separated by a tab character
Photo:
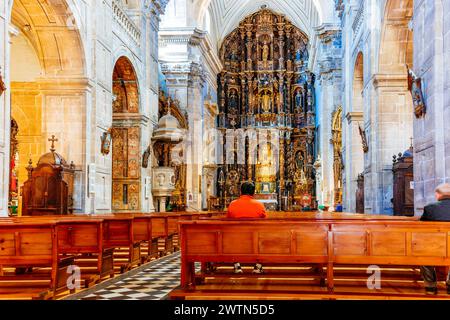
330	98
195	147
4	108
432	64
354	155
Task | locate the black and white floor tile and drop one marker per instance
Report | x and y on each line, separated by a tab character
153	281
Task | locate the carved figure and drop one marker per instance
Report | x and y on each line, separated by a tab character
415	87
365	144
265	52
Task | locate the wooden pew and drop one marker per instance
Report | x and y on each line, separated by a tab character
28	244
332	243
82	237
118	233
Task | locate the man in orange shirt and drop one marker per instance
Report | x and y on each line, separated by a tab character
246	207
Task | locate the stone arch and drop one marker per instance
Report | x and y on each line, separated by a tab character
51	28
358	84
126	138
353	153
394	113
396	41
47	81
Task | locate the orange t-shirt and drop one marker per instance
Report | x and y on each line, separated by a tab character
246	208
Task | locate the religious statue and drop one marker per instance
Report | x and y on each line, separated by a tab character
298	55
145	157
106	142
265	52
2	84
365	144
298	101
265	102
415	87
233	102
299	161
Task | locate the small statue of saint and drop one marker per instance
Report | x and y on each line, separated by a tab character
265	52
415	87
265	103
233	102
298	100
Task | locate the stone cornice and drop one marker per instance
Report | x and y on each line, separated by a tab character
327	31
193	37
393	81
127	119
354	116
55	84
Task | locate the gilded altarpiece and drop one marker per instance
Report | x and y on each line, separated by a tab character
266	94
336	141
126	139
126	168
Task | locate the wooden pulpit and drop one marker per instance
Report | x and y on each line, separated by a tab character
403	193
49	188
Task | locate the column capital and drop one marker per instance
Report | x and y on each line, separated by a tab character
354	117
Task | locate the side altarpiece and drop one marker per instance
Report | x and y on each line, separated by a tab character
267	113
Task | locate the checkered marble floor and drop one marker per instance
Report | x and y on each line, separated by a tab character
154	282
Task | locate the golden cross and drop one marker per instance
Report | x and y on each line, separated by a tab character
53	140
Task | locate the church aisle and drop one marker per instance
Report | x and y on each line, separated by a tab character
152	281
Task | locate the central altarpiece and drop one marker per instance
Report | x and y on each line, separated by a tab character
267	113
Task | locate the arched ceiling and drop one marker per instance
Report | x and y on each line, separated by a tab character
51	29
226	14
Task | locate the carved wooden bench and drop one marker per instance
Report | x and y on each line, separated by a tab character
328	242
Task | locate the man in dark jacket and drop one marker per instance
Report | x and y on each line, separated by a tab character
439	211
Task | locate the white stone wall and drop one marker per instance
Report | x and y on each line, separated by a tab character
379	31
79	109
431	61
4	109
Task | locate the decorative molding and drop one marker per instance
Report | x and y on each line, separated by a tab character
124	20
354	116
358	21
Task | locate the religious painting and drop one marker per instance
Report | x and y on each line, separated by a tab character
415	87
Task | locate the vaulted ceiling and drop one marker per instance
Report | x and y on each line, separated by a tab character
226	14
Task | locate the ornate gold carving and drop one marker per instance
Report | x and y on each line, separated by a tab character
336	140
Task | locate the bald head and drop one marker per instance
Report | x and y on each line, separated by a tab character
443	191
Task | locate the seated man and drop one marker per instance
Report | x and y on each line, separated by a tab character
247	208
439	211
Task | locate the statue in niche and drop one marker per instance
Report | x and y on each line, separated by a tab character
265	52
299	161
266	102
233	102
415	87
298	101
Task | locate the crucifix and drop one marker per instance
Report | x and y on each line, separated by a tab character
53	140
